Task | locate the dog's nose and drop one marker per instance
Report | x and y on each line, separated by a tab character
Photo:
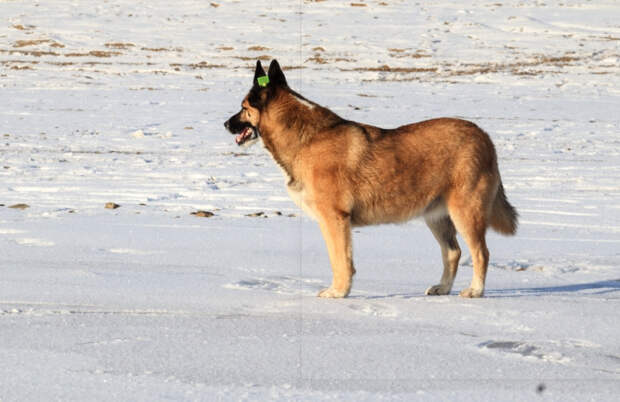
226	124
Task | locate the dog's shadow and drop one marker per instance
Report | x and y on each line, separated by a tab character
592	288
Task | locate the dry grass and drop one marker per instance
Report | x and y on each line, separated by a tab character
94	53
196	66
32	42
36	42
388	69
119	45
21	27
262	57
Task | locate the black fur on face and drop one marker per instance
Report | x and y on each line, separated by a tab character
235	125
258	98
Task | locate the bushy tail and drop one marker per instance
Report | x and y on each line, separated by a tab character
503	215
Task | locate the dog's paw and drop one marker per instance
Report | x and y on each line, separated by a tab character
331	293
437	290
470	293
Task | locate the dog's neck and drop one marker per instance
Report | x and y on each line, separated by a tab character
290	122
282	143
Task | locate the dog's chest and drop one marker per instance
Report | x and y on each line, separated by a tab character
300	198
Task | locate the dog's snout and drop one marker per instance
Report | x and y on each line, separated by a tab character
227	124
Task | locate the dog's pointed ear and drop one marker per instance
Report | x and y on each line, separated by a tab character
276	76
259	72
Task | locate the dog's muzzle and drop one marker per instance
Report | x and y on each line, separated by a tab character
244	132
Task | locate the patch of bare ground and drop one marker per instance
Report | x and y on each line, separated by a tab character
9	62
289	68
258	48
262	57
21	27
388	69
161	49
21	68
517	68
196	66
94	53
317	59
359	5
404	54
32	42
119	45
605	38
37	42
226	48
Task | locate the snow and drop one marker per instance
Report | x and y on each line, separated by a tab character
124	101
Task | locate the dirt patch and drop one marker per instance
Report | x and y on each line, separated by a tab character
161	49
119	45
94	53
262	57
519	67
258	48
33	42
203	214
388	69
196	66
317	59
21	27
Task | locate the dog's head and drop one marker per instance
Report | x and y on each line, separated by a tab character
264	87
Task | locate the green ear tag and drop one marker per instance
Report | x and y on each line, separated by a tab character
263	81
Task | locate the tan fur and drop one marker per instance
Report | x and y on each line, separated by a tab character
348	174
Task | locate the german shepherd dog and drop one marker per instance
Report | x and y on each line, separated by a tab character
344	174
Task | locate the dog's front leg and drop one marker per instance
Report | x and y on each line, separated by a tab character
336	228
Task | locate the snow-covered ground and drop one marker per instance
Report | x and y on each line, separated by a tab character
123	101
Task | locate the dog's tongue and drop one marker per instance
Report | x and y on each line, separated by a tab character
240	139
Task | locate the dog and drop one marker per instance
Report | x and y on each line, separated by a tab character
345	174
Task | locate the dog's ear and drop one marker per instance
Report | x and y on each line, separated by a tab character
276	76
259	72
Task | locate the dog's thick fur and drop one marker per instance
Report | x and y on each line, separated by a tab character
345	174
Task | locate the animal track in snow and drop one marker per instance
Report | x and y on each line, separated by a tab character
277	284
373	309
524	349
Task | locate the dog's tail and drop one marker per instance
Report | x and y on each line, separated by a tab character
504	217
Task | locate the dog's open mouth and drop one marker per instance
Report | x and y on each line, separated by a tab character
248	133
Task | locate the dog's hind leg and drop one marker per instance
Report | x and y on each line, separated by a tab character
336	229
470	221
444	231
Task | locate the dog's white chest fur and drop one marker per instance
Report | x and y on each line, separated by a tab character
300	198
295	190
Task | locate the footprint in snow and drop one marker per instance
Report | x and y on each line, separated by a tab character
373	309
277	284
524	349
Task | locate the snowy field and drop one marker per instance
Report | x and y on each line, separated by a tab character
123	101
